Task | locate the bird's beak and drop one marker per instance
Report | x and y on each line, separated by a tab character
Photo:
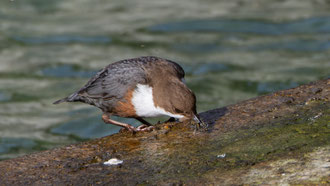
199	121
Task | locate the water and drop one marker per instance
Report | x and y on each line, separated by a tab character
230	50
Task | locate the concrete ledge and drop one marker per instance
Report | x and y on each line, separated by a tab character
281	138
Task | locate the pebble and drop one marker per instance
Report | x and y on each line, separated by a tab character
113	161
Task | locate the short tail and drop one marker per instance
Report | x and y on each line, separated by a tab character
71	98
61	101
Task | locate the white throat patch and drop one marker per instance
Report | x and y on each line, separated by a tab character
144	104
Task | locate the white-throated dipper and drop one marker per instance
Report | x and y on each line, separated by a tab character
138	88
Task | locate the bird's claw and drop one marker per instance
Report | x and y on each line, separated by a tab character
128	128
141	128
145	128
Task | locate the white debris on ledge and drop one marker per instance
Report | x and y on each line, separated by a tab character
221	156
113	161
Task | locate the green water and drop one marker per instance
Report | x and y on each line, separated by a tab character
230	50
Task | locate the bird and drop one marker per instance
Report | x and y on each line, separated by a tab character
139	88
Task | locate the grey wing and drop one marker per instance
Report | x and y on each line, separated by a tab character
113	82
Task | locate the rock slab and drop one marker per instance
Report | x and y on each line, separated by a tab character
281	138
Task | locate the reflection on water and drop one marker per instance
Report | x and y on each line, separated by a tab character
50	49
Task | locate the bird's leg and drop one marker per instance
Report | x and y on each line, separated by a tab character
146	126
107	119
143	121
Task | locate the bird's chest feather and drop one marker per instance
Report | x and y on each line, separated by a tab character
143	103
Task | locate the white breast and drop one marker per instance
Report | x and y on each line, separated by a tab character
144	105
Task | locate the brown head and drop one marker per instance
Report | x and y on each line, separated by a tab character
171	93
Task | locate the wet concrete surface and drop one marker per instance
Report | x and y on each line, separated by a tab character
280	138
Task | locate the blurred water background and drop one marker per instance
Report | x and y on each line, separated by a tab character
230	50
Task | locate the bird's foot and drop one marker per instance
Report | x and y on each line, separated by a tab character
145	128
129	128
141	128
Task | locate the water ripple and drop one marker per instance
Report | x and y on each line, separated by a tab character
5	96
296	45
66	71
62	39
309	26
91	127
